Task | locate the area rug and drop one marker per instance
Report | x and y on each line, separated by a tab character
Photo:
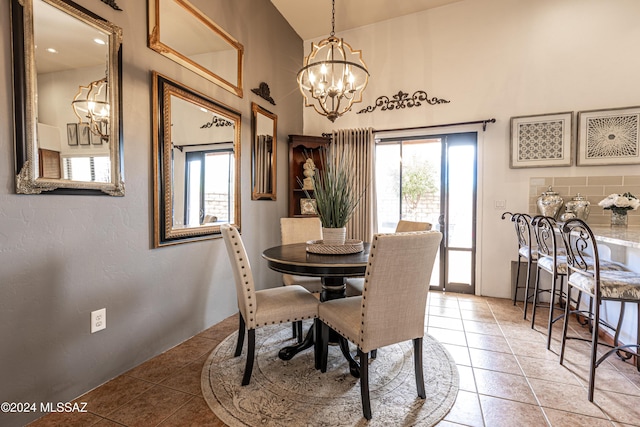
293	393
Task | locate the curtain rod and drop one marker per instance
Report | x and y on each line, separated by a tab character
181	147
483	122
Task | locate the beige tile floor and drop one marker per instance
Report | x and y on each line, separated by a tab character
507	377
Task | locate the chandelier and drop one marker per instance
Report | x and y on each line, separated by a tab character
91	104
334	75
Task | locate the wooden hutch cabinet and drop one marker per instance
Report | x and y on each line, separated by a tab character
300	148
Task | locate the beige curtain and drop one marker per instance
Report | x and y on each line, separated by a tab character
360	146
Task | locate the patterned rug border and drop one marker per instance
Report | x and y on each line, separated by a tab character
262	393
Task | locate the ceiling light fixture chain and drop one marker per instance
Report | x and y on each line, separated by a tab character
333	76
333	18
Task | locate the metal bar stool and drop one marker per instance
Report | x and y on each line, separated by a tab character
586	275
522	223
552	259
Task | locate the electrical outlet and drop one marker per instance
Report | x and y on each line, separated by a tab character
98	320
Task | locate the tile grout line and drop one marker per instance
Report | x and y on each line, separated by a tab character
535	396
473	373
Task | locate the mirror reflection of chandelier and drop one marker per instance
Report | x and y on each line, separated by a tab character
91	104
333	76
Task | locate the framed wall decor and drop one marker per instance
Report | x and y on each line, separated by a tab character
609	137
95	138
543	140
83	133
72	133
308	207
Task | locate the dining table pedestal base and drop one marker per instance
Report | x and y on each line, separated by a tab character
332	288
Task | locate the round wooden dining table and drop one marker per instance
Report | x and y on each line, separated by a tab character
333	271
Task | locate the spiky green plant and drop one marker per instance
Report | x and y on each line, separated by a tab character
334	188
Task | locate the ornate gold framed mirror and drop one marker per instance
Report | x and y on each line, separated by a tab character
182	33
68	115
196	164
264	126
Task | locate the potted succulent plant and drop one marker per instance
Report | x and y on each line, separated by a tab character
335	194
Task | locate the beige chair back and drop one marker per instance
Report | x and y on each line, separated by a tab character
245	288
300	230
396	286
404	226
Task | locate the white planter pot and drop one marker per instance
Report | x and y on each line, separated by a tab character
334	236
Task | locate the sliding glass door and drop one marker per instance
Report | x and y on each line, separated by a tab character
432	178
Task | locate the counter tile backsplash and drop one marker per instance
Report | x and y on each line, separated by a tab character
594	188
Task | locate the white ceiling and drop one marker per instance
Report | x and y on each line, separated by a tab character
312	18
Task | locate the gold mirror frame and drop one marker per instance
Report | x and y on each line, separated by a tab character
263	154
28	162
168	230
194	21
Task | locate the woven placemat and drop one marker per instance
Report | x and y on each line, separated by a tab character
350	247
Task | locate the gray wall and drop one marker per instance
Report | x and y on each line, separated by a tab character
62	257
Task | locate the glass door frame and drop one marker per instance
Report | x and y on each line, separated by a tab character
449	140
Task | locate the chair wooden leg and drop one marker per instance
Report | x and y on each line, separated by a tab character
317	343
374	353
294	330
324	355
299	333
251	352
241	328
364	383
417	361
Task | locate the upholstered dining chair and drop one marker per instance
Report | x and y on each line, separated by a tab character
526	251
587	275
300	230
263	307
356	284
383	314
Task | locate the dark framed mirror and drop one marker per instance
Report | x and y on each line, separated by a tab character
196	164
264	126
67	90
182	33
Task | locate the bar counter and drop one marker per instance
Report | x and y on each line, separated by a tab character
622	236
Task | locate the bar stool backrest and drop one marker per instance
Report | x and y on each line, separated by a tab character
522	223
582	251
544	230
